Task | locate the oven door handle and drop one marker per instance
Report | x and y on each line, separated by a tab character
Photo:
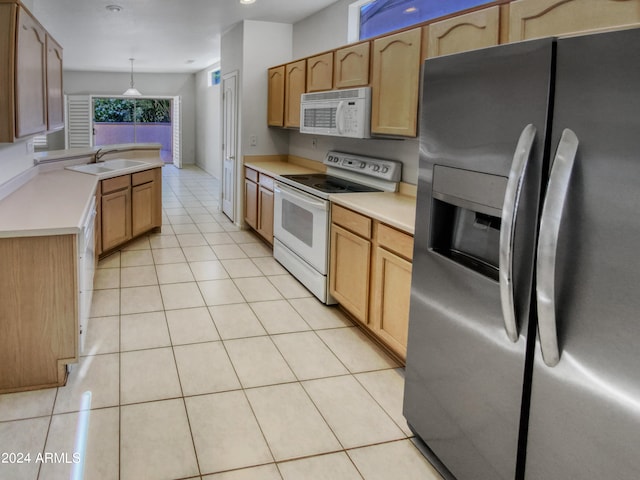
280	189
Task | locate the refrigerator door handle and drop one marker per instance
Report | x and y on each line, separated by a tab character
508	228
548	244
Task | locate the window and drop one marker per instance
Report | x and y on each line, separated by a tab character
369	18
213	77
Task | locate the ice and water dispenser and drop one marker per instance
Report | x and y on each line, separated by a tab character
466	217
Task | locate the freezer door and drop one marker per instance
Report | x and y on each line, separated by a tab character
585	410
464	374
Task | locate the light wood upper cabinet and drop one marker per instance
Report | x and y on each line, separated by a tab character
31	65
275	107
295	85
320	72
394	85
542	18
351	66
31	99
465	32
55	96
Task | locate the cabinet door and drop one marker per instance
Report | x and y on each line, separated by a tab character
116	218
294	87
349	271
31	91
465	32
55	97
265	214
391	295
542	18
142	208
251	203
320	72
275	105
351	66
7	58
394	86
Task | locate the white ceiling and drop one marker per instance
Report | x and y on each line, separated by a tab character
162	35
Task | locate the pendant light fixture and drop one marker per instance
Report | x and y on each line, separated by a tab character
132	91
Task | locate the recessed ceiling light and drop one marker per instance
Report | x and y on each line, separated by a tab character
411	10
191	61
114	8
247	2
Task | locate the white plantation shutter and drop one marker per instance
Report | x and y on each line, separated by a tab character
176	121
78	121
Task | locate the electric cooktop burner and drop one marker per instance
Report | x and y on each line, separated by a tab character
330	184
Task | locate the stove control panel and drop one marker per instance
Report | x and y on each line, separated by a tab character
390	170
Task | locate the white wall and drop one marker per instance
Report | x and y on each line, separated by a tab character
161	84
208	127
326	30
250	48
14	159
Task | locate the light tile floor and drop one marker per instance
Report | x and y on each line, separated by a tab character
205	359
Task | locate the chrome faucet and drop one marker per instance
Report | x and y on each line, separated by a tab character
100	153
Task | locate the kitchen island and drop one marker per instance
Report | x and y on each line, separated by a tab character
48	232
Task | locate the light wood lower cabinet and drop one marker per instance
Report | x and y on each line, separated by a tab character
391	291
258	203
370	275
129	206
116	211
38	311
350	271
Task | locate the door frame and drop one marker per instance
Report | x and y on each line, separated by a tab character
233	213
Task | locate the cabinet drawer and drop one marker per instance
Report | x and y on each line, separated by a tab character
145	176
266	181
395	241
352	221
251	174
115	183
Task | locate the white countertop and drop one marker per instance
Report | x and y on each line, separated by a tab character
395	209
51	200
51	203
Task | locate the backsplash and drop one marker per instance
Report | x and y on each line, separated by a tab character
14	159
403	150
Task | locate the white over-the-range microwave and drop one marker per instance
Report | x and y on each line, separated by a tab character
341	113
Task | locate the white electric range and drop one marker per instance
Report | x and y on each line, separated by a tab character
302	218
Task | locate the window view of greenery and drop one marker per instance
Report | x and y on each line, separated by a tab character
144	110
118	120
382	16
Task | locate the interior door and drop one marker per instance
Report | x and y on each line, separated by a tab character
229	142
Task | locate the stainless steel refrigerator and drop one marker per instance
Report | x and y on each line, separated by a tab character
523	355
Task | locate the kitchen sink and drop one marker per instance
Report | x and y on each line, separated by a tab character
108	166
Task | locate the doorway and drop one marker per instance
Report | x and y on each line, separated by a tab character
118	120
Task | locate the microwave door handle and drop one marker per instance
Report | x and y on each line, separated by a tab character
548	245
340	118
508	228
286	191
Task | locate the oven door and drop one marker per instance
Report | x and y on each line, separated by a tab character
301	222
